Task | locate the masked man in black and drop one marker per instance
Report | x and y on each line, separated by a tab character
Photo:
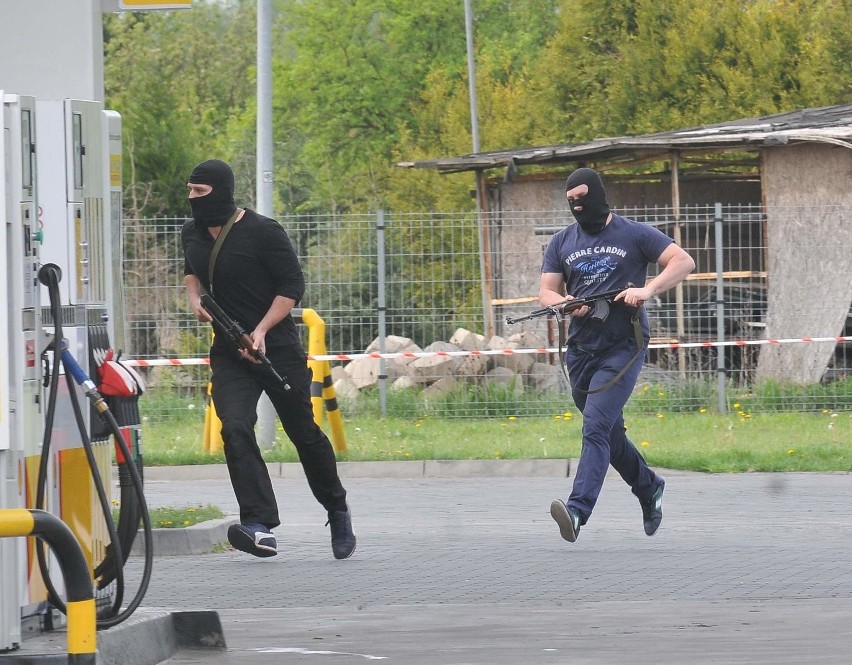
604	252
257	280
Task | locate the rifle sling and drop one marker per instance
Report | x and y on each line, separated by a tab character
218	245
640	351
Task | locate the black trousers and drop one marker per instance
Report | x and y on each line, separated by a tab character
236	387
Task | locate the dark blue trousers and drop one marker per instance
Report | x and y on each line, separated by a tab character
237	385
605	440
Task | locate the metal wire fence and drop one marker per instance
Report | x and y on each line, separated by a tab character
435	289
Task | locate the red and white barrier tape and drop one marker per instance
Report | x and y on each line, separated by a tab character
162	362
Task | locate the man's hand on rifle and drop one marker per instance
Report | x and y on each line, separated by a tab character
258	338
635	297
579	311
200	313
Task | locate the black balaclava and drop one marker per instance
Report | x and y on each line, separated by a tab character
215	208
592	218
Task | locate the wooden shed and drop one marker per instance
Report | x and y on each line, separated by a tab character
796	166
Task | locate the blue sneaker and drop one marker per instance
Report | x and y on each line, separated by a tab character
568	520
652	510
253	539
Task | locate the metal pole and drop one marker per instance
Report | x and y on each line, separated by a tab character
264	108
265	410
720	312
380	269
482	219
679	309
471	75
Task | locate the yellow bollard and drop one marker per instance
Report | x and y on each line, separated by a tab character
213	443
323	396
82	622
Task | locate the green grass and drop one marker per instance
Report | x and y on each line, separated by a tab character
781	441
177	518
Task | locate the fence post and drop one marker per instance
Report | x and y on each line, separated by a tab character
720	313
382	309
82	622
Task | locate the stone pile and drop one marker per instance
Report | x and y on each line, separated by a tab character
440	375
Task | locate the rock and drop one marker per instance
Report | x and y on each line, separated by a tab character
430	369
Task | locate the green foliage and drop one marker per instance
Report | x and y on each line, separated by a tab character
179	81
775	396
767	396
494	401
360	85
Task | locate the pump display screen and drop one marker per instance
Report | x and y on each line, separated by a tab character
26	150
77	142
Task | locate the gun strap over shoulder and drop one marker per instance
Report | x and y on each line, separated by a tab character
218	245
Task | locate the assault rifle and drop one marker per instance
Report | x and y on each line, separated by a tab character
599	304
238	335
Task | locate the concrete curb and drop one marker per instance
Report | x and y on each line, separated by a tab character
199	538
541	468
148	637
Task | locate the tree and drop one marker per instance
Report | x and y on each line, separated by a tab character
179	81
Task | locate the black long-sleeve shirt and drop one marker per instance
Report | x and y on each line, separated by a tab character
256	263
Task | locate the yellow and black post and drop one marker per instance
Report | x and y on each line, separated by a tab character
323	395
82	622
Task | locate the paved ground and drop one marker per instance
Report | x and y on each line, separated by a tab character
749	568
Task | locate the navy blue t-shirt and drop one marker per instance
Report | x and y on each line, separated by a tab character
594	263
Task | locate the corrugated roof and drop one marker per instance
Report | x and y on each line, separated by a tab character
828	124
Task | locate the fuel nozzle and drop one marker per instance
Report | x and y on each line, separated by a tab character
73	367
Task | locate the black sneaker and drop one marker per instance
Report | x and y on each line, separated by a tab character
342	538
652	510
568	520
253	539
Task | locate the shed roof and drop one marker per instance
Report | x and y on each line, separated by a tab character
828	124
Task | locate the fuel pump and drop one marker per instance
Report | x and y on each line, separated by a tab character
66	401
20	344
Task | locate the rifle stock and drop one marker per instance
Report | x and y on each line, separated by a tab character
238	335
